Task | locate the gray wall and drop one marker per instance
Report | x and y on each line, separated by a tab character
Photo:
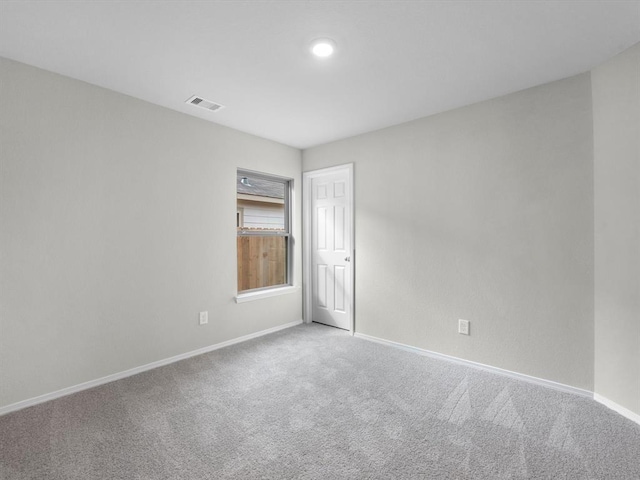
616	127
483	213
118	227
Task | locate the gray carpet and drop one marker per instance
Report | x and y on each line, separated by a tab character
313	402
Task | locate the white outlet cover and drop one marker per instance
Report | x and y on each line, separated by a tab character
204	318
463	326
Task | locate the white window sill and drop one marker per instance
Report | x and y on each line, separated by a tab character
272	292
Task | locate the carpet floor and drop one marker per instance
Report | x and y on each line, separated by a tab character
312	402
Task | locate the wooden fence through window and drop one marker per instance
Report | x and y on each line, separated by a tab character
262	261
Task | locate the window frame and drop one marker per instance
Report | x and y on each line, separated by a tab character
287	233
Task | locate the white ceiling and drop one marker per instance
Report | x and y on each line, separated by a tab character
395	61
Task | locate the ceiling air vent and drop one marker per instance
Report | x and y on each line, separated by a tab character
206	104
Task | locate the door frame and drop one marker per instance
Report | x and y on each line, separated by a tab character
306	239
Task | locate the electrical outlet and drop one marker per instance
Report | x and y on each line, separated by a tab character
204	318
463	326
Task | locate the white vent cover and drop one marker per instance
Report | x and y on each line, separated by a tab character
206	104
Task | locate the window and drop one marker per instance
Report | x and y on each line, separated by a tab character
264	231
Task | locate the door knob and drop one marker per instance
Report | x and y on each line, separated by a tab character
347	259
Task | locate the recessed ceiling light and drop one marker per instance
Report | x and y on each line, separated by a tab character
323	47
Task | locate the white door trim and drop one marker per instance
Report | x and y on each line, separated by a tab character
306	238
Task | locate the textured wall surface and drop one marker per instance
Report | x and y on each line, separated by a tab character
616	129
483	213
118	226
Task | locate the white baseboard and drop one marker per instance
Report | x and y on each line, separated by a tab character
625	412
500	371
133	371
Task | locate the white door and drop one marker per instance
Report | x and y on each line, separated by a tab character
330	279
